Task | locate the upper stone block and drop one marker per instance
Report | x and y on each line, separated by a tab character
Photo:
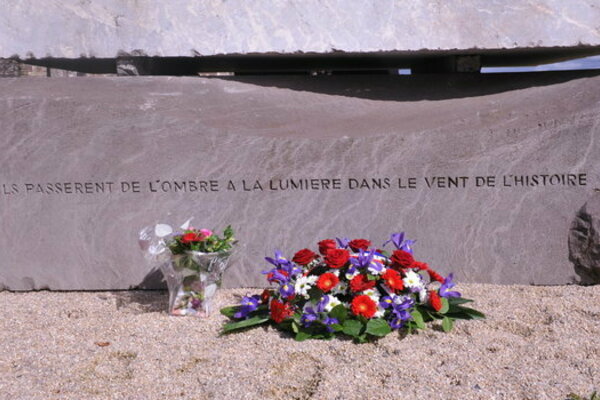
184	28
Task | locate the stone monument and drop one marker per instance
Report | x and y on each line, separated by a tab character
486	172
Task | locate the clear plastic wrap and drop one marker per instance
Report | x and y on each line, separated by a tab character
193	277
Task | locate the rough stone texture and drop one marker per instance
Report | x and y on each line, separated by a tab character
108	28
584	241
371	127
9	68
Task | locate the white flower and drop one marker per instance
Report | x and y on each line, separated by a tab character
372	293
379	313
423	296
303	285
349	276
413	280
340	288
372	269
333	302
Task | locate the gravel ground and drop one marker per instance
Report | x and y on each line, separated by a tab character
537	343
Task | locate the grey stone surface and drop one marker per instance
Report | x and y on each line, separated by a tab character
108	28
9	68
138	133
584	242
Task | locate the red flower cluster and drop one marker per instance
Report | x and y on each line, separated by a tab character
192	237
327	281
337	258
327	244
359	244
280	311
360	283
364	305
304	257
393	280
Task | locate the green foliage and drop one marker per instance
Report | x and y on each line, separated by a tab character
212	244
573	396
246	323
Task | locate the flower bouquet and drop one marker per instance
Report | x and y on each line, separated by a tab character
353	289
194	267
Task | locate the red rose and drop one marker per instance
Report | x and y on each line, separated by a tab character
337	258
364	305
327	281
304	257
359	244
434	300
191	237
402	259
327	244
393	279
360	283
434	276
280	311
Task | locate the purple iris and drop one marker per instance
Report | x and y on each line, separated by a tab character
278	261
248	304
287	290
400	311
398	240
311	312
363	259
342	242
448	284
283	271
385	302
330	321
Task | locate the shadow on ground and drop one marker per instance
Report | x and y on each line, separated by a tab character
414	87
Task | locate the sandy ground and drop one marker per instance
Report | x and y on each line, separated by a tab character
537	343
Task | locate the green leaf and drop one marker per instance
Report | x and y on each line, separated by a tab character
315	294
302	336
417	318
295	327
339	312
352	327
445	306
458	300
472	313
234	326
378	327
336	327
372	277
229	311
447	324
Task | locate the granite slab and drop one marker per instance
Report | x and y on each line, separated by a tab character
189	28
487	172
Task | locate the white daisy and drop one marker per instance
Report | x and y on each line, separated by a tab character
303	285
333	302
340	288
413	280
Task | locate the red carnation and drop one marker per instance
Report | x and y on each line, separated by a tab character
360	283
337	258
364	305
359	244
325	245
393	279
304	257
434	276
192	237
434	300
402	259
280	311
327	281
